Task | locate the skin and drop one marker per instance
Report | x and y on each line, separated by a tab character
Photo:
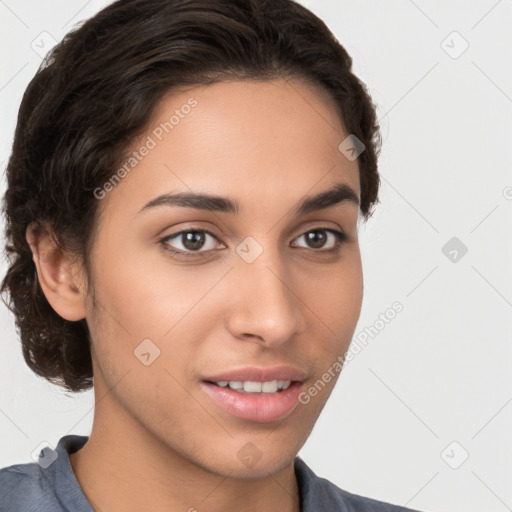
158	442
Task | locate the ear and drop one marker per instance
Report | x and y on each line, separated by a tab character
59	275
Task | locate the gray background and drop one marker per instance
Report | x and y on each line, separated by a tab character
433	386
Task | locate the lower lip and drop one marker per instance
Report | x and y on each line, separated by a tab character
260	407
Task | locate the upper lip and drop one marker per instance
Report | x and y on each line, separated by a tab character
255	374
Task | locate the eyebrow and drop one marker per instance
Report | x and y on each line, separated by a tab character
337	194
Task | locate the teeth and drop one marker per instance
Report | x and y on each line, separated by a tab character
272	386
268	387
252	387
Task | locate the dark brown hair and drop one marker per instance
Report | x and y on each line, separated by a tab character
95	92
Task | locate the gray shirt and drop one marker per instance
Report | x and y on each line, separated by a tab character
50	486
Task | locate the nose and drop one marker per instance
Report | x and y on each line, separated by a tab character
264	306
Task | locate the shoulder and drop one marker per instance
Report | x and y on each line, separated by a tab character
22	487
320	494
47	485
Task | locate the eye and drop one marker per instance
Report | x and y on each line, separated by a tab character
318	238
189	241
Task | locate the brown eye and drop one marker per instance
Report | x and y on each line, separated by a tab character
189	241
319	238
316	239
193	240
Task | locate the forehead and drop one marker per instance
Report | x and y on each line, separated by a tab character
271	141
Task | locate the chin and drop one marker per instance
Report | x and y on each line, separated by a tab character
249	462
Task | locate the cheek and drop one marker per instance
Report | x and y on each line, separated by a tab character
336	301
336	295
141	300
149	296
337	305
150	309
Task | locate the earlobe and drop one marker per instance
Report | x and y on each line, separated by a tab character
57	273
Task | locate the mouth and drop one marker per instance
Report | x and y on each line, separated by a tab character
256	394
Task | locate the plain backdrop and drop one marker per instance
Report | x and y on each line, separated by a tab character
423	413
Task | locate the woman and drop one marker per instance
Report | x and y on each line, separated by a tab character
184	195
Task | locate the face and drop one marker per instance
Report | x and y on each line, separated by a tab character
249	288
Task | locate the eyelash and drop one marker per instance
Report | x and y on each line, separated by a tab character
341	238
